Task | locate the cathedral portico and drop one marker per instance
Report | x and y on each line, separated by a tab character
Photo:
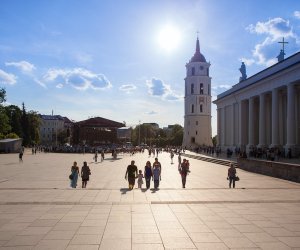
263	111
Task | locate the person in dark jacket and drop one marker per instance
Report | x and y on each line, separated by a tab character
85	174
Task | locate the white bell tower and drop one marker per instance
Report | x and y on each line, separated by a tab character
197	102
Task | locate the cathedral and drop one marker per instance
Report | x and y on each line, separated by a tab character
197	102
263	111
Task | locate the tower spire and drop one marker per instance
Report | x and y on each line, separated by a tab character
198	57
197	46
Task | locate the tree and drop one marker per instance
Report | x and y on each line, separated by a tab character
4	122
176	135
2	95
34	127
25	126
214	140
14	113
11	136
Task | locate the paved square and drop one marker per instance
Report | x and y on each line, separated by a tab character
39	210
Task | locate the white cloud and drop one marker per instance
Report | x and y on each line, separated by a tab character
247	61
7	78
59	86
274	30
83	58
151	113
25	67
158	88
127	88
221	86
78	78
297	14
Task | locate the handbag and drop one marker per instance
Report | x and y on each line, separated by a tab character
237	178
71	177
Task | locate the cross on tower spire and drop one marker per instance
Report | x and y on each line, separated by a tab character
283	42
281	54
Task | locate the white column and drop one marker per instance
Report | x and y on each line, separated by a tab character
275	119
233	125
240	122
251	127
223	126
262	121
291	122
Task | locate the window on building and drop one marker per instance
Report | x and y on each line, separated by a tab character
193	71
192	108
208	89
193	140
196	132
201	68
201	108
201	88
192	88
207	71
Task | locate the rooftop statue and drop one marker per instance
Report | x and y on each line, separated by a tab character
281	55
243	71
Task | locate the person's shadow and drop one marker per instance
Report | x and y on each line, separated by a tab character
124	190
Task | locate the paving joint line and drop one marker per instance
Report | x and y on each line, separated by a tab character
143	203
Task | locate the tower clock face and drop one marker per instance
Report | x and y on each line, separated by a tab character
201	68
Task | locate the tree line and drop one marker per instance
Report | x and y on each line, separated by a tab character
18	123
147	134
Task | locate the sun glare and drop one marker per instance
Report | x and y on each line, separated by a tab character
168	38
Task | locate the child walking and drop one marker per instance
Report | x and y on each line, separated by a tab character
140	177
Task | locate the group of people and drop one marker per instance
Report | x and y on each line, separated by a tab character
150	172
75	173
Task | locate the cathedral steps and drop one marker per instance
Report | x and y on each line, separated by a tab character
210	159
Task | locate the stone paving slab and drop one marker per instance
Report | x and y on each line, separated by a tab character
38	210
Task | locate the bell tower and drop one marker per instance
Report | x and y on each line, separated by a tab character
197	102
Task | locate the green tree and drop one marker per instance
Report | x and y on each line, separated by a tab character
14	113
214	140
25	126
11	136
33	127
4	122
2	95
177	135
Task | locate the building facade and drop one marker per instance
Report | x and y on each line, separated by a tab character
197	102
51	126
95	132
263	111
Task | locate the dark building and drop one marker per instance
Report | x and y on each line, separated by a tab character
95	131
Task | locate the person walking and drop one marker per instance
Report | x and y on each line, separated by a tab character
179	160
148	174
157	163
102	155
140	177
96	156
184	170
85	174
131	173
172	156
156	176
231	175
21	154
74	174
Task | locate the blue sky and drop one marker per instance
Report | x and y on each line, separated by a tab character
111	59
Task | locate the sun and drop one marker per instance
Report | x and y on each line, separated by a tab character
168	38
